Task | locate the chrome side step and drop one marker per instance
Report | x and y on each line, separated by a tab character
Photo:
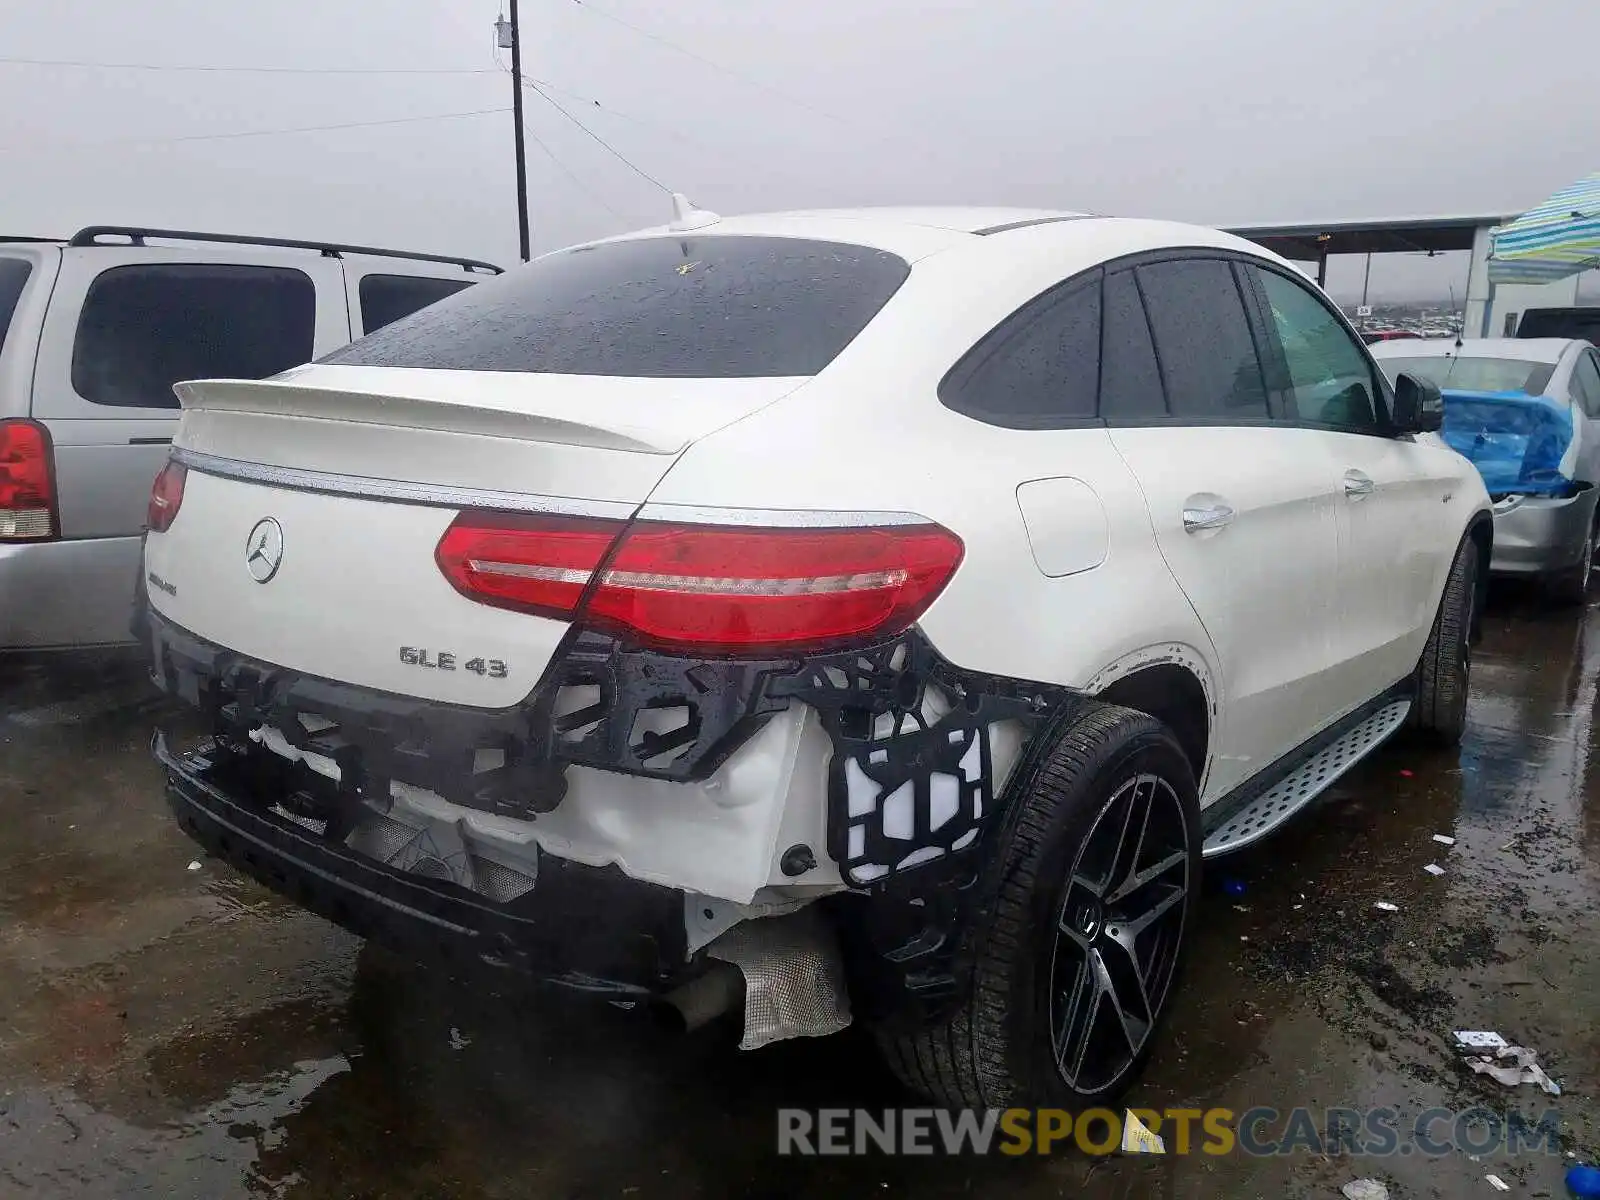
1289	795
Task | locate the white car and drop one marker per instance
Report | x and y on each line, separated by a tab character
1526	412
882	612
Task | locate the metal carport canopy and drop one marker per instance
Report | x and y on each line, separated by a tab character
1312	240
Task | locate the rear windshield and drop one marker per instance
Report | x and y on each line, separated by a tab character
1475	374
687	308
13	276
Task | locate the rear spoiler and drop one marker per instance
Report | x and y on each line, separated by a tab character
513	410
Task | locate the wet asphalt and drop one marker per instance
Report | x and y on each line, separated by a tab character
168	1029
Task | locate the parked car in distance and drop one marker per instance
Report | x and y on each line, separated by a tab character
1386	335
1526	412
890	607
94	331
1575	321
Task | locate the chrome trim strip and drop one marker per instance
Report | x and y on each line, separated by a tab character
364	487
778	518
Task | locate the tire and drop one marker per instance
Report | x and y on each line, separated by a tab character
1439	712
1572	585
999	1048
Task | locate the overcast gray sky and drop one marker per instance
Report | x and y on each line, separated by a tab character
1233	112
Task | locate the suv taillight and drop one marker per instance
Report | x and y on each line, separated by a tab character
166	496
27	482
704	587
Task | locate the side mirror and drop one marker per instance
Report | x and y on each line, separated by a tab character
1418	404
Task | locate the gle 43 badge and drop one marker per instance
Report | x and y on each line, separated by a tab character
448	660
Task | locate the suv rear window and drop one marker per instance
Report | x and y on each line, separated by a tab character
145	327
1475	374
1560	323
14	274
662	307
387	298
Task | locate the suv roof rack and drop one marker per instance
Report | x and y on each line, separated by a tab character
91	236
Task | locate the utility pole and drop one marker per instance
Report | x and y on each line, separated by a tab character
509	34
1364	282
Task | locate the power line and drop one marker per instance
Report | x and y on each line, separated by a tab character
607	146
245	133
856	126
189	67
249	133
657	127
747	80
578	183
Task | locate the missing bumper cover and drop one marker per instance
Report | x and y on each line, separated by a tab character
920	747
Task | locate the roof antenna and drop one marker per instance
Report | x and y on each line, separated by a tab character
686	216
1462	315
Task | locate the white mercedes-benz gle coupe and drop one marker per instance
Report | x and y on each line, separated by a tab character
821	616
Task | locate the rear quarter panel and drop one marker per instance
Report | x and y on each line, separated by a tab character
870	434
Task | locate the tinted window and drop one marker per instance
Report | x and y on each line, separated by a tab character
387	298
144	328
1560	323
694	307
14	274
1475	374
1202	339
1330	380
1586	384
1039	367
1130	381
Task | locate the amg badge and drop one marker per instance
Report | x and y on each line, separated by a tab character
448	660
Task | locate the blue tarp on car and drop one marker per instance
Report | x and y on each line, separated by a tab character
1515	440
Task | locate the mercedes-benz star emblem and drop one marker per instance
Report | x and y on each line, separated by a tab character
263	550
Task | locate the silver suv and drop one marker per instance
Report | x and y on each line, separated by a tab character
94	331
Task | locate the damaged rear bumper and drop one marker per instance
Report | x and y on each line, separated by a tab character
376	811
586	928
1534	535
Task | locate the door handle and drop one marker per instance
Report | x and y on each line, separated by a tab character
1357	485
1211	516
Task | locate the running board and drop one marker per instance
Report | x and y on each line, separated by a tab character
1305	783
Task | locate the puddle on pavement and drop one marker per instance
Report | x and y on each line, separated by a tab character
174	1033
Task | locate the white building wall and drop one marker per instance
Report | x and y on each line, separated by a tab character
1488	309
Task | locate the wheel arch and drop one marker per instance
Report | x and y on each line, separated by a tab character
1175	690
1481	531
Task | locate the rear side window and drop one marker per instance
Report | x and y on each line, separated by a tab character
14	274
387	298
1037	369
1203	341
1130	380
147	326
661	307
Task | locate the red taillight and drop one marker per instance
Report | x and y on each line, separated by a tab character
704	587
27	483
166	496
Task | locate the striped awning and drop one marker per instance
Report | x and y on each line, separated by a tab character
1557	239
